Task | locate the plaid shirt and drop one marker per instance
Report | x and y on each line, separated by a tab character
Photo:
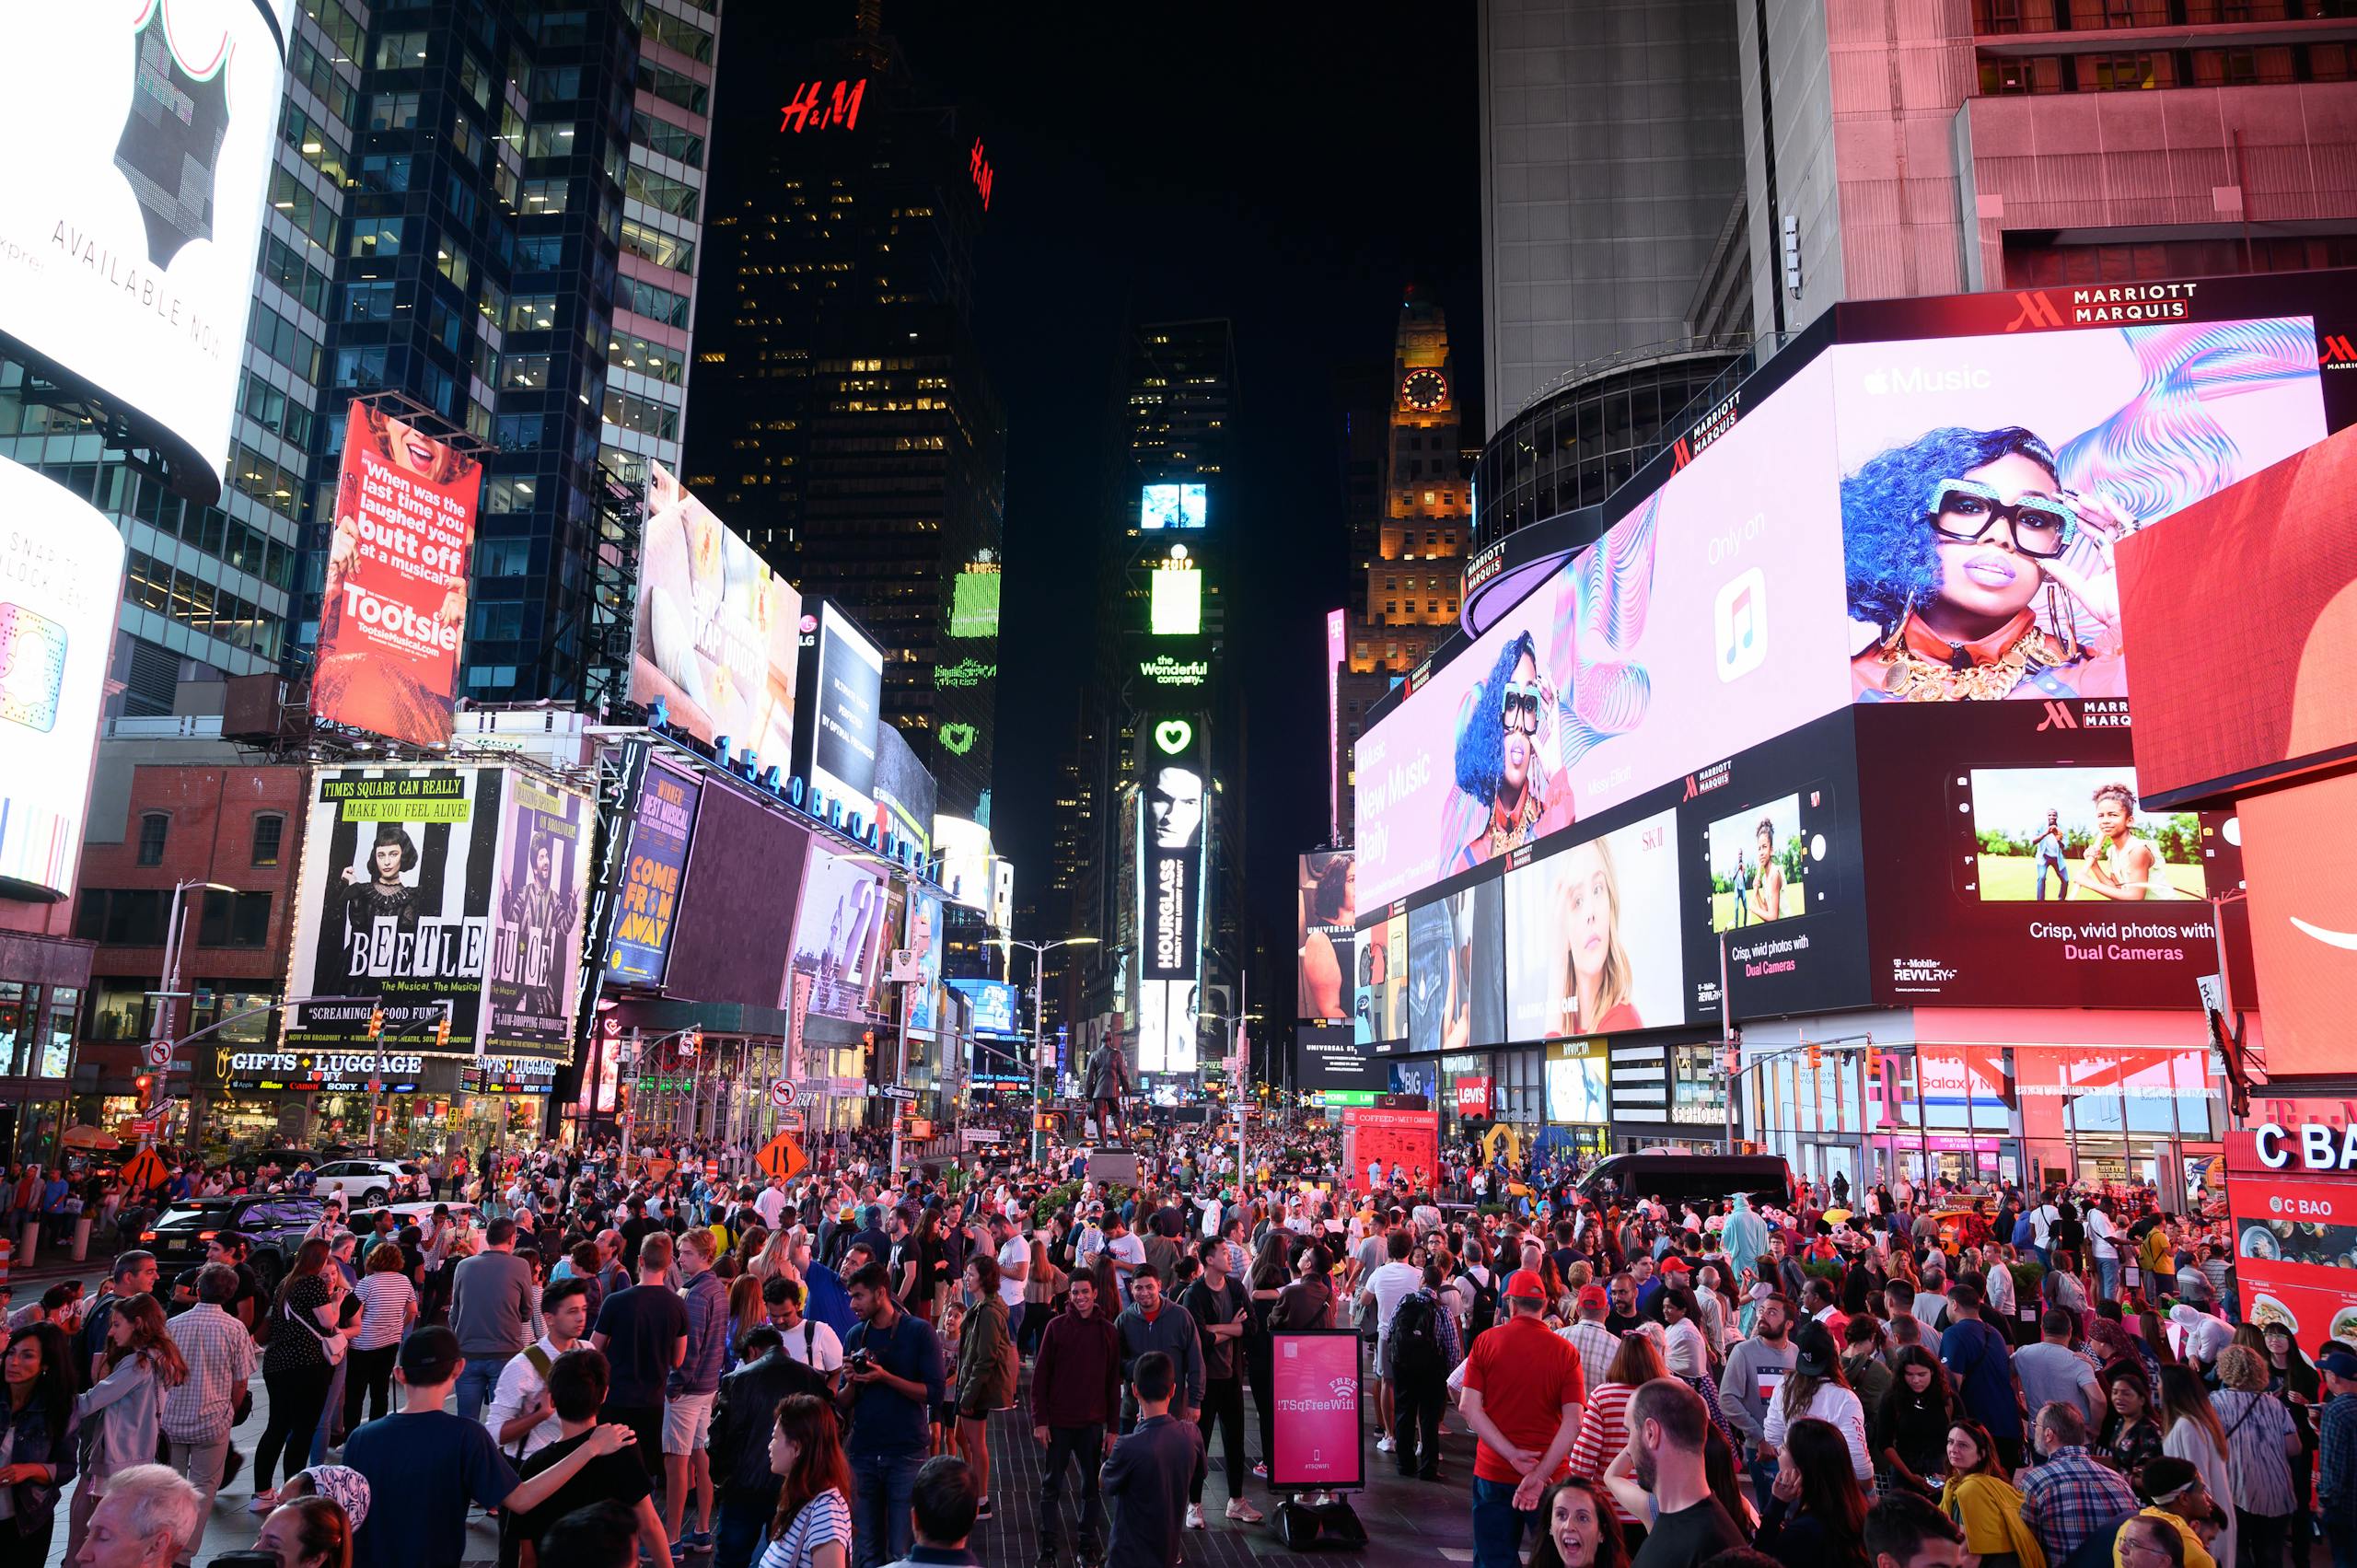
220	1356
2071	1497
2337	1452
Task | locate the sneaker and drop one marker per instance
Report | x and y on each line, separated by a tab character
1194	1516
983	1510
1243	1513
1261	1469
679	1550
700	1540
1384	1445
264	1502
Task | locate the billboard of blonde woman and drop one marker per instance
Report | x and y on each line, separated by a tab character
1593	943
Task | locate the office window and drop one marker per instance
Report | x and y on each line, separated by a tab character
368	301
234	920
376	237
549	140
154	826
396	50
504	557
672	141
530	313
661	192
654	245
545	198
392	112
523	372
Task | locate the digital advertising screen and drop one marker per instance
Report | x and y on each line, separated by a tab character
2299	848
839	932
1457	978
1328	1056
922	936
747	854
965	849
1175	601
396	904
1314	1412
905	792
2011	861
1170	849
532	981
646	906
127	248
1380	1012
995	1010
1169	1018
974	599
1326	906
1760	866
1179	505
1987	482
1579	1090
1594	938
716	631
394	611
61	582
1595	688
844	694
2239	688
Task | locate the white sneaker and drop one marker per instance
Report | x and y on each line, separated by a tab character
1243	1513
1194	1516
1384	1445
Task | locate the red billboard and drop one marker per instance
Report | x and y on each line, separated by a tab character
2237	688
2299	853
394	608
1409	1139
2295	1208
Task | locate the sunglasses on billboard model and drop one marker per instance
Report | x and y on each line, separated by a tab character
1519	708
2043	526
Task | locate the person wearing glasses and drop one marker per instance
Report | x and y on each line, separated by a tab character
1506	732
1979	575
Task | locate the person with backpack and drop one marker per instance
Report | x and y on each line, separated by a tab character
1219	1306
521	1416
1425	1350
1477	1286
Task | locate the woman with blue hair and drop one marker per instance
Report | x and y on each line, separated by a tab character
1505	730
1948	541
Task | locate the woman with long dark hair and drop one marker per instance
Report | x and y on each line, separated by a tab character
2191	1431
1985	1504
297	1367
1911	1428
1577	1528
2130	1437
1266	1276
812	1527
1815	1513
39	1374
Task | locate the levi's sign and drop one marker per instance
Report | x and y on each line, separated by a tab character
2314	1146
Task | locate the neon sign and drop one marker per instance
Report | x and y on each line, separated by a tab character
978	169
817	106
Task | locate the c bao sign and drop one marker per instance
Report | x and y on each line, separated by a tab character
2310	1147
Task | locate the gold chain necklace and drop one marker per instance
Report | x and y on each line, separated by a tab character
1915	678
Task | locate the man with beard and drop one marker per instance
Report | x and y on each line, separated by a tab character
1667	1425
541	924
1755	1372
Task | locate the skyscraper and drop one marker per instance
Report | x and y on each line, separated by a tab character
851	431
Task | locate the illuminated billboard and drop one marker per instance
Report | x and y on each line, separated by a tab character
1170	852
965	850
1172	505
61	579
842	696
1175	608
905	792
1595	938
973	600
714	635
531	981
1326	902
995	1008
394	609
1169	1020
1456	970
839	932
127	244
394	904
647	905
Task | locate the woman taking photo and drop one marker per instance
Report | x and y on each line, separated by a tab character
812	1527
2191	1431
1580	1530
299	1362
125	1401
1984	1504
1911	1429
1815	1513
2130	1437
36	1442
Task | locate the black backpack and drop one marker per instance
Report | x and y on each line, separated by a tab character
1415	1335
1484	1312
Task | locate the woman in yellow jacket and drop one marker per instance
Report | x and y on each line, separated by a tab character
1984	1504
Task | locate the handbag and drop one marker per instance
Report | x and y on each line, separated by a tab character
333	1346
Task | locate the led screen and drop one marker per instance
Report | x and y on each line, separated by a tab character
1325	909
1594	943
1579	1090
973	600
1706	621
61	579
2300	847
2076	833
714	635
532	981
921	937
1380	1014
844	699
1172	505
965	850
994	1007
646	906
395	603
1456	970
1985	481
1176	609
127	246
1760	866
1169	1014
1326	1057
1170	852
838	932
905	791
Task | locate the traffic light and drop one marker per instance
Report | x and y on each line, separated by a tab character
1874	1068
1814	1056
376	1023
144	1082
441	1032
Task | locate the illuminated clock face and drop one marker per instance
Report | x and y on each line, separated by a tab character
1424	389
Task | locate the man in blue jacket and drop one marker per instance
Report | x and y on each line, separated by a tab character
1147	1478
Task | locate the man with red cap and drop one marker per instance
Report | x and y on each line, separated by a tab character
1524	1389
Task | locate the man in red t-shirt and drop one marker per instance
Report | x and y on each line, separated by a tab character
1523	1394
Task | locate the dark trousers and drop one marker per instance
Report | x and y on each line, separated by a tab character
368	1372
645	1423
1084	1446
1417	1397
2260	1539
1223	1404
737	1533
298	1398
1262	1360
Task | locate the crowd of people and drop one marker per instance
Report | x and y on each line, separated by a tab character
663	1355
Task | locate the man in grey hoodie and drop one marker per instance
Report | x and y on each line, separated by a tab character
491	1311
1152	1322
1756	1369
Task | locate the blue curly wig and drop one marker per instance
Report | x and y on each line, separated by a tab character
1890	555
1481	738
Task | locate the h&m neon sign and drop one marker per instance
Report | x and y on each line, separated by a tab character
820	106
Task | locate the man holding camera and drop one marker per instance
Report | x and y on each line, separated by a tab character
892	1379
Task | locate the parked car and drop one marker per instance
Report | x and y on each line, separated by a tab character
176	1237
1674	1177
371	1181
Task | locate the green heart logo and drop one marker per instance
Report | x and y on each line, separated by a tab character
957	737
1173	736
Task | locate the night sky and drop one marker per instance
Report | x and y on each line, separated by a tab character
1291	168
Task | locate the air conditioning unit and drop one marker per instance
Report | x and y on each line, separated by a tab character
905	966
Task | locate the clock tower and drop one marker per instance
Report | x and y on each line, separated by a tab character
1416	575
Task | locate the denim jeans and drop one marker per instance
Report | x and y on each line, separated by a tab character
737	1532
480	1381
882	1485
1497	1525
2110	1269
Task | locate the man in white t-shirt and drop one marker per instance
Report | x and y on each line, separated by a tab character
769	1204
807	1340
2100	1242
1380	1293
2042	1226
1014	1262
520	1416
1127	1248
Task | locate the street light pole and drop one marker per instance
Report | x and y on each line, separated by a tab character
1039	951
160	1030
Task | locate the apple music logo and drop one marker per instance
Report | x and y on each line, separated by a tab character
1739	625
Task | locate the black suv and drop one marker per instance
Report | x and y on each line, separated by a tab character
273	1222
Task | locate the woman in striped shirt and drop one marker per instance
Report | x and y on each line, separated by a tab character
812	1527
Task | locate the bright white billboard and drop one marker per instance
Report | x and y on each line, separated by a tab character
965	850
61	575
132	203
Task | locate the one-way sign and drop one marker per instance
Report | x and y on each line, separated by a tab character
897	1091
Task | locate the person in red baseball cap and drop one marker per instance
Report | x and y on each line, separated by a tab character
1524	1391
